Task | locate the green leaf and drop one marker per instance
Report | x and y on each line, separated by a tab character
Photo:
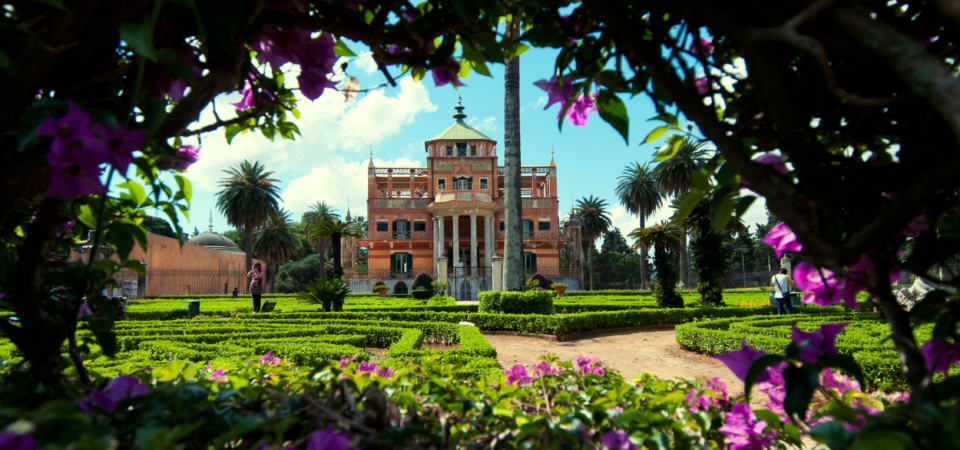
154	113
122	236
700	180
689	202
231	131
670	119
54	3
133	265
933	303
757	368
520	49
885	439
341	49
613	111
134	191
464	68
669	149
185	187
87	216
139	36
800	384
655	134
176	64
723	214
107	341
743	203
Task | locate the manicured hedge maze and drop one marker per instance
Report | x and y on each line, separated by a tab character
865	338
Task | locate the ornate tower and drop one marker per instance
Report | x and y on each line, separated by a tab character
573	231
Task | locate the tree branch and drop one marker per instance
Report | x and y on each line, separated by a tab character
225	123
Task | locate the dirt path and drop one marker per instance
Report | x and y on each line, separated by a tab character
631	352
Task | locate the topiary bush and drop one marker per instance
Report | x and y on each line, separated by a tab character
422	294
529	302
423	281
542	281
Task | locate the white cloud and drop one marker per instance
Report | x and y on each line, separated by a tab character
365	62
326	125
336	181
489	124
541	102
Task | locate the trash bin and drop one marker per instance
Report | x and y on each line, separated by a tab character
193	309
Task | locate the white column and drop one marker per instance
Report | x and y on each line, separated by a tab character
487	240
440	239
436	246
473	240
456	242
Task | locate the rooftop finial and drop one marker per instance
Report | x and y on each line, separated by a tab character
459	114
211	221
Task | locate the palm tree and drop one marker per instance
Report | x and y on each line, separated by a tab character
361	223
513	268
320	212
594	221
710	255
639	193
247	197
334	230
674	176
664	237
276	242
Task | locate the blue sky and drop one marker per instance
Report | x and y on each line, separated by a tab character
328	162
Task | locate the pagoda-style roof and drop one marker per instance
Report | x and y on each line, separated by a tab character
460	131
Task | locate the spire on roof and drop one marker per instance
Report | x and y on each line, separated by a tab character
348	218
211	221
370	164
552	164
459	115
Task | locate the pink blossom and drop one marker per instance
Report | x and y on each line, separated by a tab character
823	287
344	361
899	397
743	432
87	404
702	84
774	160
518	374
218	376
706	43
939	355
543	369
452	75
589	365
181	160
280	46
169	84
352	5
557	91
68	225
328	440
74	182
316	61
116	390
268	358
409	14
617	440
838	381
313	80
11	440
366	367
250	99
118	145
818	343
782	239
704	402
581	107
916	226
739	362
84	311
385	372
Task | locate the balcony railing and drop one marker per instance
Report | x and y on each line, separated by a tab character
412	235
534	234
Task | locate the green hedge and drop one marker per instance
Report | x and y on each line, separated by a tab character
529	302
247	296
866	339
648	292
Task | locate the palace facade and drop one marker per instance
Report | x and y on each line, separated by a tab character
454	208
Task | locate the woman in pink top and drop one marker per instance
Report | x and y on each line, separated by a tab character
256	285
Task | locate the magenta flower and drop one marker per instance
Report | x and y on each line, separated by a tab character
385	372
443	76
11	440
218	376
589	365
409	15
706	43
916	226
268	358
838	381
704	402
823	287
543	369
743	432
518	374
367	367
84	311
581	107
66	131
181	160
169	84
117	389
939	355
118	145
818	343
328	440
74	182
702	84
249	99
344	361
617	440
782	238
774	160
739	361
899	397
352	5
96	398
68	225
558	90
278	47
316	61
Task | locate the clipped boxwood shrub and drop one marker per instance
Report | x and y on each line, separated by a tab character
422	294
423	281
530	302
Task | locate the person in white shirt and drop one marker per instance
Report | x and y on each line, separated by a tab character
909	297
781	292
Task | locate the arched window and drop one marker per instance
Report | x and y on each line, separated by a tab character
400	288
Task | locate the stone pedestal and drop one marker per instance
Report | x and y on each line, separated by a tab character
785	263
142	283
497	273
442	268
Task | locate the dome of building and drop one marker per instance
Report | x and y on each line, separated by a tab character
213	240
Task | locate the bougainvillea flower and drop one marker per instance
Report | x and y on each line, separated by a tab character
782	238
117	389
366	367
822	286
899	397
617	440
706	43
119	145
818	343
96	398
518	374
582	106
589	365
385	372
218	376
558	90
743	432
328	440
181	160
268	358
840	382
915	226
344	361
280	46
739	361
11	440
249	98
543	368
443	76
939	355
704	402
73	182
773	160
702	84
409	15
66	131
68	225
313	81
84	311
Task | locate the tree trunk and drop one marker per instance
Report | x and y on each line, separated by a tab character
322	254
248	245
684	264
335	248
513	268
591	263
643	261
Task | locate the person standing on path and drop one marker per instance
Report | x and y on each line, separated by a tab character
256	285
781	292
